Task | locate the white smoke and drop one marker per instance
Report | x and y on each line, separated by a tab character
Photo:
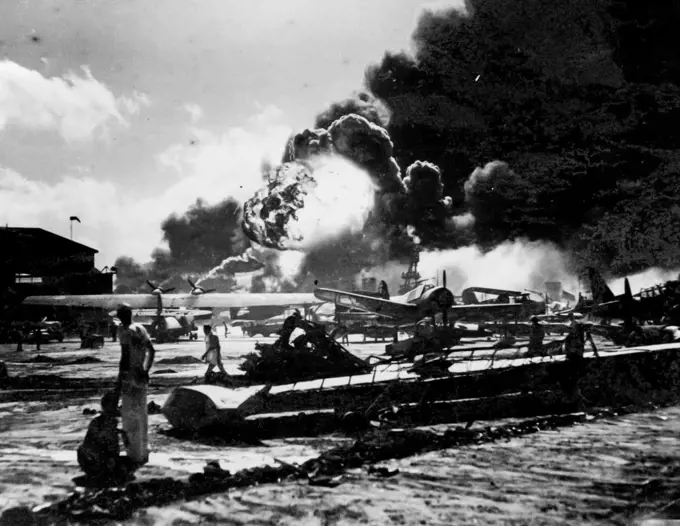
513	265
643	280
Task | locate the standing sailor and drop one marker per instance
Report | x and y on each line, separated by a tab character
213	352
574	345
137	355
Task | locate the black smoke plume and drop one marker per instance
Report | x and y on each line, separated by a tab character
576	98
196	241
405	210
361	103
545	121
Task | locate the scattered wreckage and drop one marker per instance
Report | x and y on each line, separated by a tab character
314	373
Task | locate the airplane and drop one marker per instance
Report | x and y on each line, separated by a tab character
554	306
425	301
165	325
608	306
197	291
650	304
529	306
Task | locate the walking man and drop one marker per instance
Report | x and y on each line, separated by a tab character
213	352
20	339
137	356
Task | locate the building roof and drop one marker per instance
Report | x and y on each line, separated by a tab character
36	241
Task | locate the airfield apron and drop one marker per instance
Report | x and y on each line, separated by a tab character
134	384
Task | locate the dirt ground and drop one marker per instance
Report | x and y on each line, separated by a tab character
600	472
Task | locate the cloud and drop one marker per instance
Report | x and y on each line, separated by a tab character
229	164
218	166
194	110
267	115
79	108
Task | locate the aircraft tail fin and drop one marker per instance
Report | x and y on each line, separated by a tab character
383	291
601	291
581	301
469	297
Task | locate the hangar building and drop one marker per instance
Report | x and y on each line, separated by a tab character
36	262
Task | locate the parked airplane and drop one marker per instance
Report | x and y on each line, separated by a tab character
168	324
425	301
529	307
650	304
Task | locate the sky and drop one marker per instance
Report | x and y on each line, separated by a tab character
122	112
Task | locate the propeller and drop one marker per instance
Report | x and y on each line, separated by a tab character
197	289
155	287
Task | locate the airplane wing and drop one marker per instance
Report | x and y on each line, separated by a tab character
388	308
492	309
152	313
149	301
497	292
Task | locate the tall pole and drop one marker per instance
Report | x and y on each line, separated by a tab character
71	228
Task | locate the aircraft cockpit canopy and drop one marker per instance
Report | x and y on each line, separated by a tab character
418	292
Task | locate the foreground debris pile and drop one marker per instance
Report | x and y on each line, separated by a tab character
120	503
313	355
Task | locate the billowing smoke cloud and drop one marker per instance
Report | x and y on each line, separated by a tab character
573	110
196	242
428	209
339	196
361	103
306	203
512	265
518	142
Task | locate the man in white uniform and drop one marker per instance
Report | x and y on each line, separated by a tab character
213	352
137	355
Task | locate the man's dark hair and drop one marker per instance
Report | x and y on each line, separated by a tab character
109	401
207	328
124	314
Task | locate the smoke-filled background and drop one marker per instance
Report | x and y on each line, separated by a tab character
520	141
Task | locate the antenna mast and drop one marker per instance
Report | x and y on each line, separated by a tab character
411	276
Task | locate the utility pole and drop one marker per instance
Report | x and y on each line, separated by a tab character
71	220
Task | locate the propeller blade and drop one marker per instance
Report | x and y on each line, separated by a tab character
209	290
151	284
168	290
191	283
444	278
